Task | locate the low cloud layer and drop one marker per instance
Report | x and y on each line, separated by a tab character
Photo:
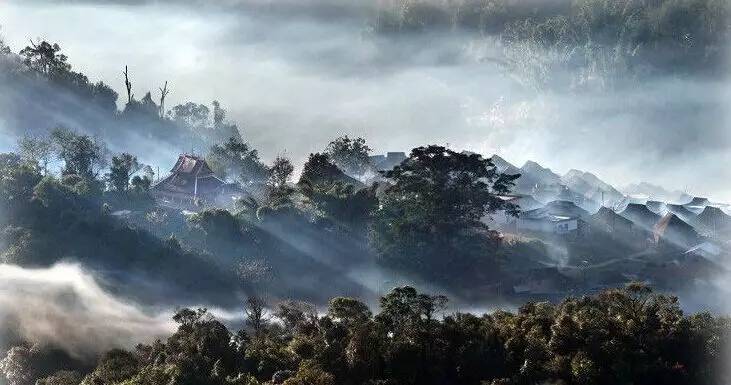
64	306
296	76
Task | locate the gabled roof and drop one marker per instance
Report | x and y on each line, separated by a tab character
191	165
671	225
708	248
503	166
713	218
698	201
565	208
682	212
640	215
656	206
608	217
541	215
191	175
712	212
555	211
527	202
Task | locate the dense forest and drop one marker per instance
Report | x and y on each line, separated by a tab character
625	336
307	257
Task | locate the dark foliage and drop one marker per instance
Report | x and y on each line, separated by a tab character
616	337
429	221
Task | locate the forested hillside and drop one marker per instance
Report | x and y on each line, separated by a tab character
435	265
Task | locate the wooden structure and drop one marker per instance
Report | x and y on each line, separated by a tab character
191	183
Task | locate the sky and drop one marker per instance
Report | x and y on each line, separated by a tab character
296	75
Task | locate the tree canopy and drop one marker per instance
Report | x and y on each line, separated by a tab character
430	216
619	336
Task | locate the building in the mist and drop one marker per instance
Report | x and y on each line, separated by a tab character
698	202
656	207
388	161
557	217
682	212
670	230
607	220
708	250
640	215
714	222
543	222
192	183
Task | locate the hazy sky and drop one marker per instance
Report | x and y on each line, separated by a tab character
296	77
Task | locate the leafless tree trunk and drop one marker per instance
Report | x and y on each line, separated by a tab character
128	84
163	93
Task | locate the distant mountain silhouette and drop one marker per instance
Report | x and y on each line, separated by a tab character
591	186
653	192
504	166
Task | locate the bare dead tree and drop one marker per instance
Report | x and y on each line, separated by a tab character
256	314
164	91
128	84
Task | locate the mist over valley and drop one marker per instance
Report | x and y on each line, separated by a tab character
364	192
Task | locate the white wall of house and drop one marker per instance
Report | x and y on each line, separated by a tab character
566	226
548	226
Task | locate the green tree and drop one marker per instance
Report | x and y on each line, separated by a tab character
120	171
194	116
62	377
429	220
115	366
141	184
36	152
310	374
279	192
350	155
81	154
320	170
349	311
343	205
280	172
17	181
4	49
45	58
237	160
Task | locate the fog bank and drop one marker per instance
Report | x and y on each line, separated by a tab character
294	77
65	307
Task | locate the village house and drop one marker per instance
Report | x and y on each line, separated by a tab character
192	183
714	222
538	221
609	221
557	217
640	215
672	231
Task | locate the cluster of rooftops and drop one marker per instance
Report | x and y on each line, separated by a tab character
683	223
192	180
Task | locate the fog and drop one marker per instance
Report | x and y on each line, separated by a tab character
64	306
294	76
